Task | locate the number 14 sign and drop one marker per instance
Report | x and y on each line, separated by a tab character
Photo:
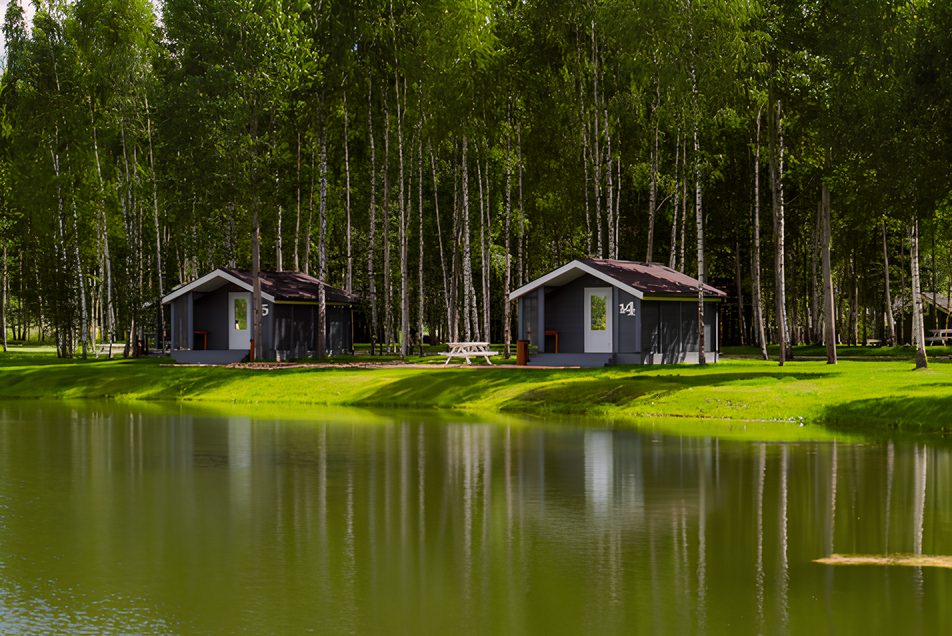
627	310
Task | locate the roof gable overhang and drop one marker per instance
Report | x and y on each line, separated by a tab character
566	274
210	282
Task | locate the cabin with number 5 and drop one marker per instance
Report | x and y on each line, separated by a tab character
211	318
597	312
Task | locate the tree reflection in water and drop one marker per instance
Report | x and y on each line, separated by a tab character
362	523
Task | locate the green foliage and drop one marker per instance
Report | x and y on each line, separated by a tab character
225	101
736	392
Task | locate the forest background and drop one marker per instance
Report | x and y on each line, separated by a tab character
434	155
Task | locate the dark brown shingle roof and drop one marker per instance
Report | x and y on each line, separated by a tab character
295	287
649	278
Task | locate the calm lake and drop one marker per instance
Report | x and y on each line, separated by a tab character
164	519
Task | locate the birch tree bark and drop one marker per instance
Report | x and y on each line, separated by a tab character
456	265
684	199
523	269
3	297
919	336
297	222
468	302
889	310
404	277
373	217
507	304
482	243
277	198
701	358
814	313
585	152
672	258
653	189
110	315
487	256
598	158
740	293
439	237
618	203
158	241
349	281
258	345
420	187
387	286
310	213
322	244
902	291
829	318
756	299
776	179
609	203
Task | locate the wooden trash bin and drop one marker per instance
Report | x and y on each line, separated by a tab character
522	352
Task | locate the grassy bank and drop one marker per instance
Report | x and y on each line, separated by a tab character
860	395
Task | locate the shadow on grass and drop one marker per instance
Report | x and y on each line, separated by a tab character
915	414
134	378
559	391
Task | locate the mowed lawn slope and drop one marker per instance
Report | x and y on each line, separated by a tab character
862	395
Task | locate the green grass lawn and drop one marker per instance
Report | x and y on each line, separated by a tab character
859	395
842	351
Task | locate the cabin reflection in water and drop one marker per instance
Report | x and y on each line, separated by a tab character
521	528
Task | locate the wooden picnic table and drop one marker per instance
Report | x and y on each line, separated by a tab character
939	335
469	350
103	348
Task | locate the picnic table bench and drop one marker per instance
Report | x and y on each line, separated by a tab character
103	348
469	350
939	335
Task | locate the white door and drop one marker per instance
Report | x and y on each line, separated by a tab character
239	320
598	320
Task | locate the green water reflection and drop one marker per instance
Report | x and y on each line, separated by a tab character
118	520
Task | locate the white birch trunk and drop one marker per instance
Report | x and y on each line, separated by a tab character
584	120
482	240
776	178
110	315
701	357
677	184
757	299
618	204
919	336
889	310
609	203
468	302
653	190
523	266
684	200
420	281
158	241
297	222
373	218
387	286
349	281
507	304
598	154
404	277
3	298
740	293
310	213
487	257
322	244
439	237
